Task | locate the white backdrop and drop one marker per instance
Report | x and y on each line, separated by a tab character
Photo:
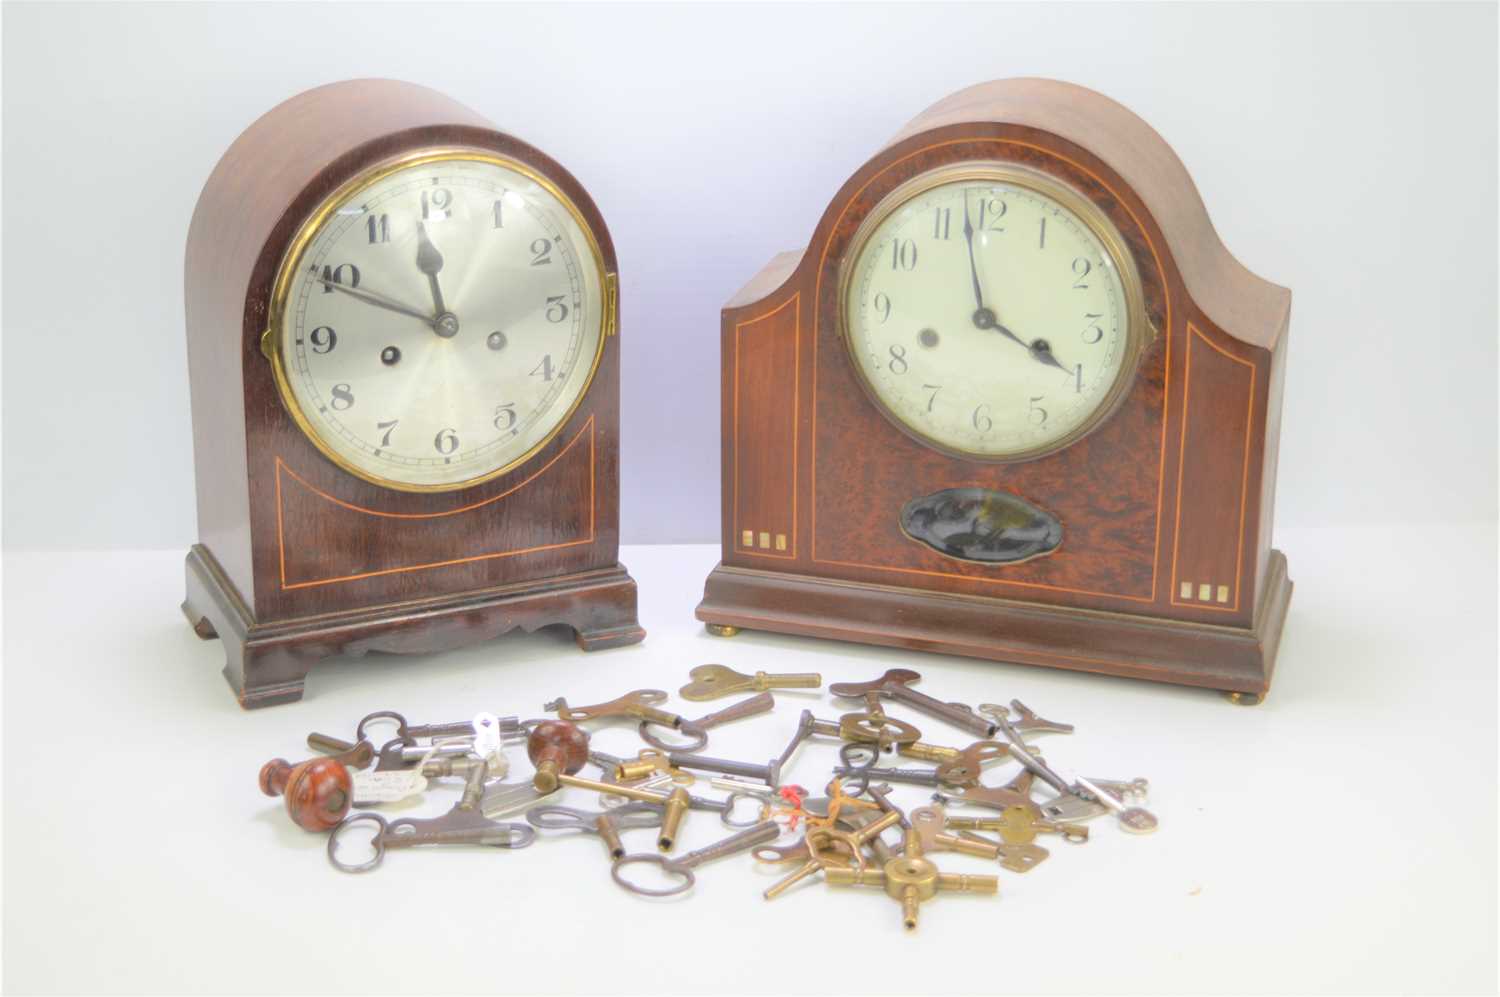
1346	151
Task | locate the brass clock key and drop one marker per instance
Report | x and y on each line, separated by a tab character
713	681
910	879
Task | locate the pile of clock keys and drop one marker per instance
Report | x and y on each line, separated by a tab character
839	836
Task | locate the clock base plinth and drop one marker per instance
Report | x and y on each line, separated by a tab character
267	662
1228	659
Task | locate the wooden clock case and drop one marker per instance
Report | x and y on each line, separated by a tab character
298	559
1165	570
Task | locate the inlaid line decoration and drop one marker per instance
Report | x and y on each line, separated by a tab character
283	470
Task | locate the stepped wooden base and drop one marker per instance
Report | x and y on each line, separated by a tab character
1230	659
267	663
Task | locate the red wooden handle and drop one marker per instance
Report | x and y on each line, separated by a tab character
318	792
556	746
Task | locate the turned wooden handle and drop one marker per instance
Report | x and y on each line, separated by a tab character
318	791
556	747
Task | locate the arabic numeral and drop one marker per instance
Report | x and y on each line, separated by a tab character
544	368
445	442
541	252
437	205
505	416
934	388
941	219
378	228
1093	327
904	254
342	397
1081	268
898	359
982	420
556	309
323	343
337	275
883	305
499	213
991	210
389	427
1035	412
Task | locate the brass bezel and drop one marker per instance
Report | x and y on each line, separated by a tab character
1087	211
271	340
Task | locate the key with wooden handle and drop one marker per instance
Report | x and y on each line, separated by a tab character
559	749
318	792
713	681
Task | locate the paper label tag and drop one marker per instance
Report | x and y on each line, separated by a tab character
487	744
387	787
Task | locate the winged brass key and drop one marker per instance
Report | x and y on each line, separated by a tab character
713	681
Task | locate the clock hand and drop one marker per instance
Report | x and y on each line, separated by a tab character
430	261
993	323
983	317
378	300
1040	349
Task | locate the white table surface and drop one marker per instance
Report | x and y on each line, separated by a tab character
1340	837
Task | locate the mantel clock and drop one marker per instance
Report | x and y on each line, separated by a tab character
1015	401
403	346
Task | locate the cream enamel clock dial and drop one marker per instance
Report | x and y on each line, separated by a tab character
992	312
437	320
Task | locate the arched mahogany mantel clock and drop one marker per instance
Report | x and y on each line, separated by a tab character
403	343
1016	401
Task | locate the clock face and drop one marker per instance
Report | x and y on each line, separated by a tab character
437	320
992	312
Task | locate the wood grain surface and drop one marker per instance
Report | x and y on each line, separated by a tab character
290	535
1165	506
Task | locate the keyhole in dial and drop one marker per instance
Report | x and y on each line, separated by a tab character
390	356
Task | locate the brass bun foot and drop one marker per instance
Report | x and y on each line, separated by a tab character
1246	698
721	629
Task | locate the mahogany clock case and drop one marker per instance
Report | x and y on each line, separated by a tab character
298	559
1164	570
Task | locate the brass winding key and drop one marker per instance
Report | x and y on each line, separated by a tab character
640	704
713	681
932	823
910	879
1019	826
819	859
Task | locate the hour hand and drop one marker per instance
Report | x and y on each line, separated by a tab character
1041	351
430	262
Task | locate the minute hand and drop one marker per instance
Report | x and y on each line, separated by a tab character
378	300
973	268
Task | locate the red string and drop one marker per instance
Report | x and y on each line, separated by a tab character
793	795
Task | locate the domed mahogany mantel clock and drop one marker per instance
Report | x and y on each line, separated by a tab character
1014	401
404	356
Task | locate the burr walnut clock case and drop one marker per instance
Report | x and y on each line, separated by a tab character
1016	401
404	356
